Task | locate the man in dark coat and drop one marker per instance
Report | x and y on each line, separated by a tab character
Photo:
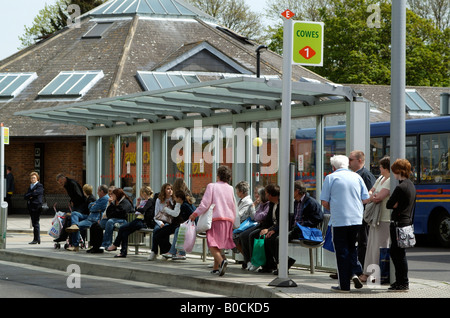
74	191
307	211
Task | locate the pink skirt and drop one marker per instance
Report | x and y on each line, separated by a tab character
220	235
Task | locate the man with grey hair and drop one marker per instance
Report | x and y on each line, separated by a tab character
344	194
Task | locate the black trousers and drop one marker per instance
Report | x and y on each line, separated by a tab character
398	256
35	214
344	240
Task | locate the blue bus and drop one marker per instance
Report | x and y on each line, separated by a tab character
427	148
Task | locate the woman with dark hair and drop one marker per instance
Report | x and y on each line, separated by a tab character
34	197
144	205
402	202
119	206
220	236
165	199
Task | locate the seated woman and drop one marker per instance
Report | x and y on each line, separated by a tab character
144	204
119	206
180	214
183	209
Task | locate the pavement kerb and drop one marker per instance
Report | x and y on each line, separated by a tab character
152	275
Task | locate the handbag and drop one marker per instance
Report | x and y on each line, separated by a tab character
190	236
258	254
164	217
372	213
248	223
405	236
310	234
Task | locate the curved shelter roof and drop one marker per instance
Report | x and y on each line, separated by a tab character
235	95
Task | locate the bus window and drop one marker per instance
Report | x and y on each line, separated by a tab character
434	158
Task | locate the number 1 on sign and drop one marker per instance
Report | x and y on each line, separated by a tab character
307	52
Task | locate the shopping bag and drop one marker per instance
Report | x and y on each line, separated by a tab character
248	223
189	236
179	244
205	220
384	265
55	229
258	254
328	245
310	234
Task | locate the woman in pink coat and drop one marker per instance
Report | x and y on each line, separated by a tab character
220	236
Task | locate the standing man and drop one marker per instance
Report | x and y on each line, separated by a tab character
343	194
74	191
357	161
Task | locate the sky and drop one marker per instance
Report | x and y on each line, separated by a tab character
15	14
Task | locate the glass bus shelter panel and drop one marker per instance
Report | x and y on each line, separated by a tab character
265	155
128	164
303	151
107	165
202	160
434	158
376	154
174	157
146	160
334	139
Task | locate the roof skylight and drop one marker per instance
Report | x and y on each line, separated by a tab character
71	84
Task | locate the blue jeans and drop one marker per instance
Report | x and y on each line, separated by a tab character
76	217
108	226
84	224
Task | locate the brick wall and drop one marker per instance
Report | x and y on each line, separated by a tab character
64	156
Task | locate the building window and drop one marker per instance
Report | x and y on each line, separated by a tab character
11	84
71	84
97	31
158	80
415	102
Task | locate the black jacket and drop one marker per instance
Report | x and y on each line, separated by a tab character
75	193
34	196
312	214
120	210
269	222
404	194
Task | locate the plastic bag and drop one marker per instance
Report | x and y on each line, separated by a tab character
190	236
259	254
55	230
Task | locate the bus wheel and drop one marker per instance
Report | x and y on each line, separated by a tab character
441	229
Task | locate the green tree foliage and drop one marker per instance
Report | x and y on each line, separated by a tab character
359	54
235	15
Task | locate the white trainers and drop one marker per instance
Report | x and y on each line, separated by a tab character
152	256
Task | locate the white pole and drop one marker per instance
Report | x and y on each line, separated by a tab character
283	168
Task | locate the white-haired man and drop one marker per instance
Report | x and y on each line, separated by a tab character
344	194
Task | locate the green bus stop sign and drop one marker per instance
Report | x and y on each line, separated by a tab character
307	43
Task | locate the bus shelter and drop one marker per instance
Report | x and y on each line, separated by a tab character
154	137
